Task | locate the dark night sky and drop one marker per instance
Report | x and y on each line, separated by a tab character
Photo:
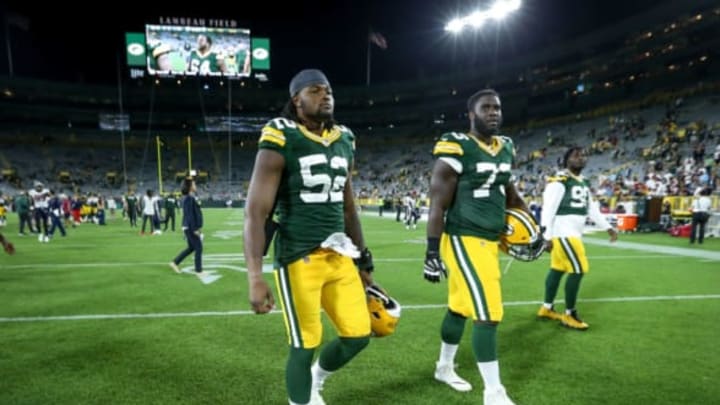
70	44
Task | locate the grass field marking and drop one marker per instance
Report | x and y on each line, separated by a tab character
406	307
663	249
240	257
227	234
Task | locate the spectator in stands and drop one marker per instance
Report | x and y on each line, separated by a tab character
700	214
699	153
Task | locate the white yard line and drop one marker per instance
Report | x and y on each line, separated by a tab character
229	257
238	257
405	307
659	249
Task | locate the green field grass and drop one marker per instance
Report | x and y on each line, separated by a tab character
99	318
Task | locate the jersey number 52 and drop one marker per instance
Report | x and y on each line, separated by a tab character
332	189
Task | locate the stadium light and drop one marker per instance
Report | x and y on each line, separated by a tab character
476	19
498	11
501	9
455	25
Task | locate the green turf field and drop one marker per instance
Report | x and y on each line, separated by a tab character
99	318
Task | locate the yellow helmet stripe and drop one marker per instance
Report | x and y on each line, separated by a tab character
525	219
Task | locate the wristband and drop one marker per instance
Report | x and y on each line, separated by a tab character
433	244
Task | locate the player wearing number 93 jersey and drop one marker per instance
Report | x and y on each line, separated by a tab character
470	189
304	165
567	202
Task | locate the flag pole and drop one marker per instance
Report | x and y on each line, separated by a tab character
9	47
122	129
160	189
229	135
367	68
189	154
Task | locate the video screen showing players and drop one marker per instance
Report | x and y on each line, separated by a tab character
198	51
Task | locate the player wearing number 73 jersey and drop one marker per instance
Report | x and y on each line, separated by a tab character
567	202
469	191
305	164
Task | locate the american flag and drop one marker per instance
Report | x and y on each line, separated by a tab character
378	39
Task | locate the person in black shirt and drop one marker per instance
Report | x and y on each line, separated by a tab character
170	205
192	224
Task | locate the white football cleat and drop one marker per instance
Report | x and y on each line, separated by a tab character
175	267
317	385
315	398
497	396
446	373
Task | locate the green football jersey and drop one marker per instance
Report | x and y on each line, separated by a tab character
131	202
170	204
235	64
204	64
174	58
310	204
478	208
576	199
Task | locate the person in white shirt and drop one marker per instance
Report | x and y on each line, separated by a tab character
39	198
149	207
412	214
701	206
567	202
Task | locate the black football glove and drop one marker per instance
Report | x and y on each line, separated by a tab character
434	269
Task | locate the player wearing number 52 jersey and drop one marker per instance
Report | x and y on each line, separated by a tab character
470	189
304	166
567	202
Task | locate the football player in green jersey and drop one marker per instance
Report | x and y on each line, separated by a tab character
131	207
470	189
304	166
567	202
163	58
238	61
204	61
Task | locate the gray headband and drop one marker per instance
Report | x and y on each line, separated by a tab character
305	78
